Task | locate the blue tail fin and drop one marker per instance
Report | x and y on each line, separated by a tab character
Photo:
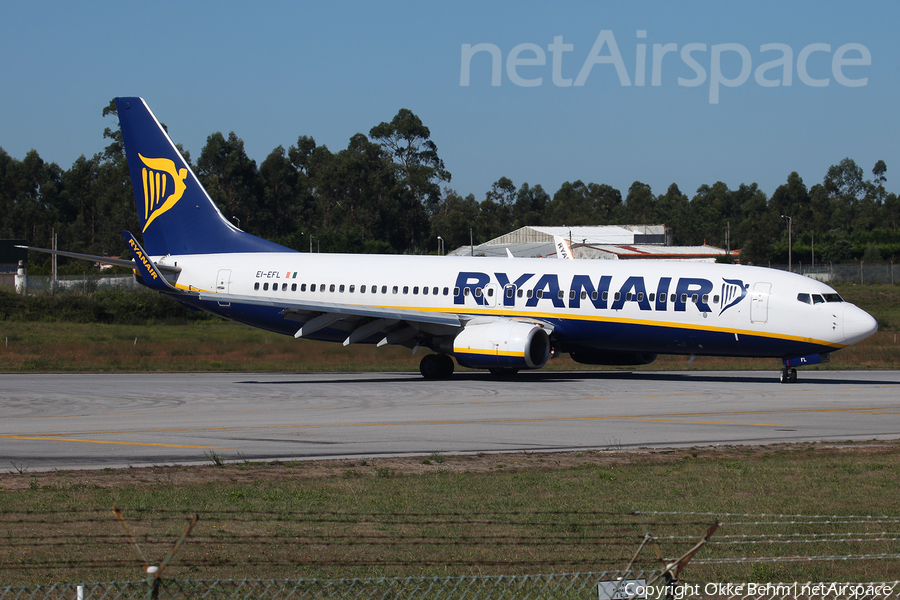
176	214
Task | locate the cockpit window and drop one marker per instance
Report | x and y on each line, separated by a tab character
817	299
804	298
833	298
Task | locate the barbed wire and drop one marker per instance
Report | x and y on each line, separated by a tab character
343	539
776	559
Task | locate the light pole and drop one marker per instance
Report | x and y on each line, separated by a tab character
440	246
790	228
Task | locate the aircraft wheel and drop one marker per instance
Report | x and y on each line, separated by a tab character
785	376
793	375
446	365
436	366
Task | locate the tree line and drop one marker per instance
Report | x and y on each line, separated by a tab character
389	192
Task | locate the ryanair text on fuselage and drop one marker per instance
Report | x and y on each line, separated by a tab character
470	285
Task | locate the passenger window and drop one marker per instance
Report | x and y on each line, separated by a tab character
341	289
539	293
322	287
490	292
618	296
571	294
530	293
362	289
583	295
651	297
265	287
705	298
331	288
283	287
605	296
674	297
817	299
416	290
628	296
509	292
425	290
640	297
593	295
804	298
478	292
434	291
716	299
384	289
663	298
256	286
520	293
560	294
467	291
302	287
405	289
352	288
293	287
395	289
683	298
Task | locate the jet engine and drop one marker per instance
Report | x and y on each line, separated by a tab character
502	344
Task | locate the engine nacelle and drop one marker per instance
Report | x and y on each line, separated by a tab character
589	356
502	344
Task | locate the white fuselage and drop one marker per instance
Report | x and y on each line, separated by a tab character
615	305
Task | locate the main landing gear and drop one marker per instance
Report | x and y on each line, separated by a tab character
436	366
788	375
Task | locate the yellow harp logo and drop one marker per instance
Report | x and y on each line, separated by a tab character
156	174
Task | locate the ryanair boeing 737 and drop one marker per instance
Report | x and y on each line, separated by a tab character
500	314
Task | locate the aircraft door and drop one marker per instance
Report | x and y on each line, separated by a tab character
223	280
491	291
759	302
509	294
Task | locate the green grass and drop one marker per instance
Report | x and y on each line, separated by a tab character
364	520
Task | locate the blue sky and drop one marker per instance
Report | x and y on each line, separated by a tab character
271	72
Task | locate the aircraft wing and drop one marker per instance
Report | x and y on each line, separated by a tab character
368	320
342	309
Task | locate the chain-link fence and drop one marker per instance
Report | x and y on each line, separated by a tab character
857	273
570	585
608	585
84	284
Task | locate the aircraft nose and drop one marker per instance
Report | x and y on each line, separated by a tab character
858	324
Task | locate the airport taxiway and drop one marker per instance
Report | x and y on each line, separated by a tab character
114	420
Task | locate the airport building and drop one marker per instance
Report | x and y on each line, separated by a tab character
609	242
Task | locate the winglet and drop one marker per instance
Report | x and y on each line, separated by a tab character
146	269
563	249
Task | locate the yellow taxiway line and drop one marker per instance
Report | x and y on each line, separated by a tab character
59	439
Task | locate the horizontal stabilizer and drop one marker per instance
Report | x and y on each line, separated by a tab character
107	260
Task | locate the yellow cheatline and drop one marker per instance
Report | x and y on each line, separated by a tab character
56	439
626	321
488	352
